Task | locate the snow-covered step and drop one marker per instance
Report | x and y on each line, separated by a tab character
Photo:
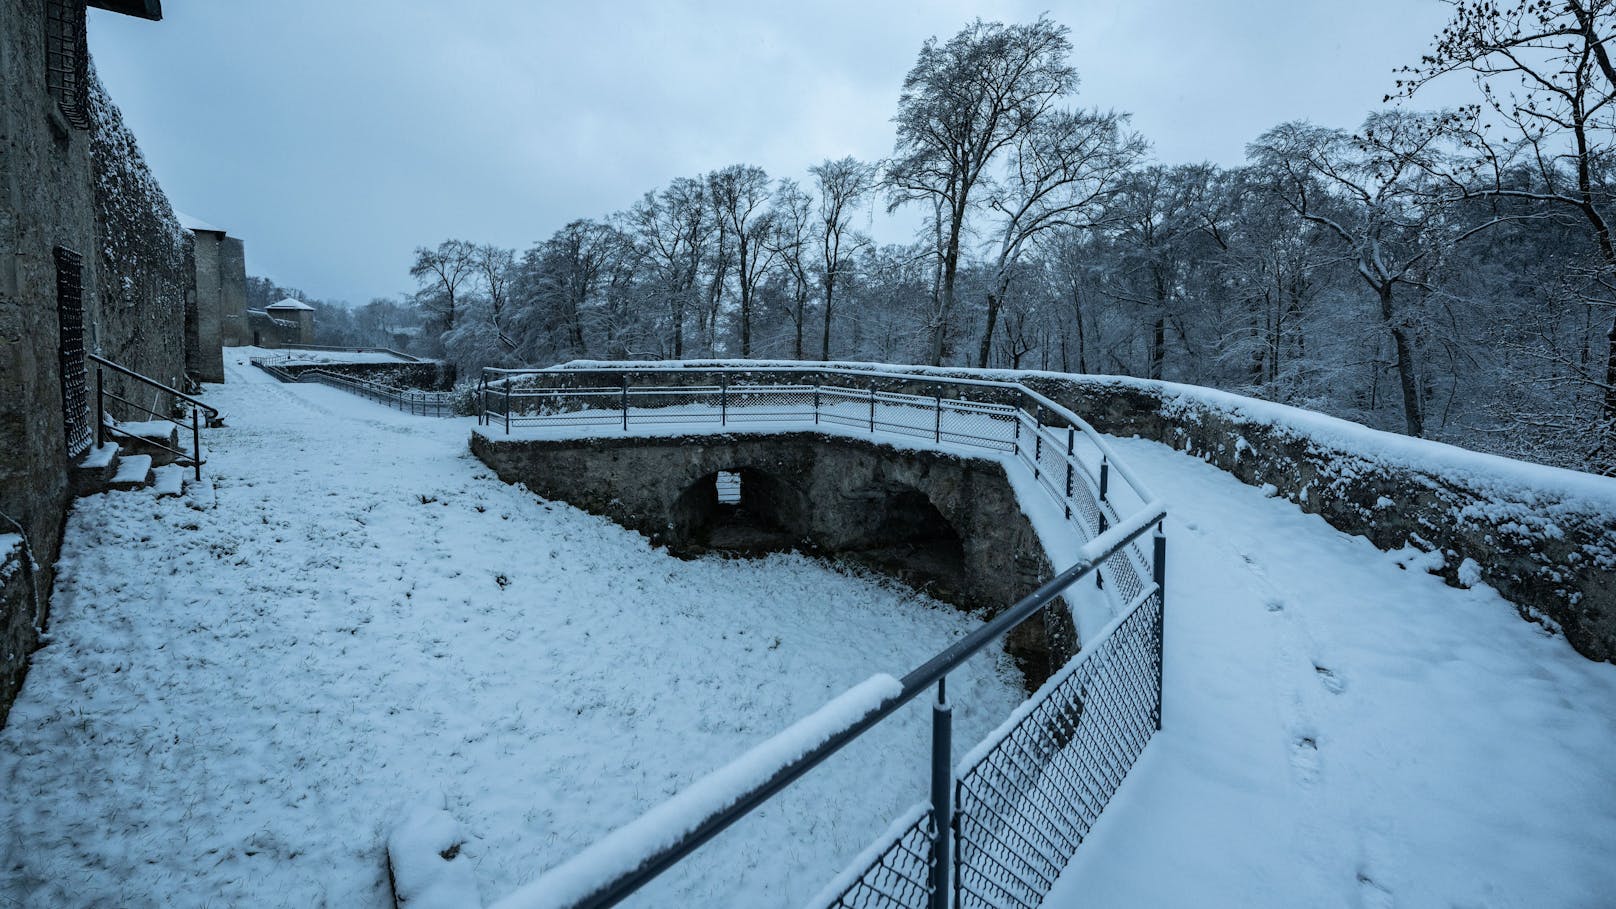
92	471
133	472
99	456
168	480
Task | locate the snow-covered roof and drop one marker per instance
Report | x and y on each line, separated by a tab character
194	224
289	304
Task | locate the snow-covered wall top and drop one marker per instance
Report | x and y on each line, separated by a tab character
1545	537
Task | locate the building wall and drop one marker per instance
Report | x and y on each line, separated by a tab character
91	192
47	199
204	359
232	293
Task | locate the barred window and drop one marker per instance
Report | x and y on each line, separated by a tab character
67	60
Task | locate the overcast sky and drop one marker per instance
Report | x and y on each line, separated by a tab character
335	136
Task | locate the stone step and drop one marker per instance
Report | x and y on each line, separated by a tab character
158	438
134	471
92	471
168	480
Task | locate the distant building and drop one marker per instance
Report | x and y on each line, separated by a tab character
289	321
216	317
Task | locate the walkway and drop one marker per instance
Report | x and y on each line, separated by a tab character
1344	731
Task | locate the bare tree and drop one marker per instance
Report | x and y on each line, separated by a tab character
1546	75
443	274
842	184
964	103
496	266
673	227
740	195
792	226
1063	171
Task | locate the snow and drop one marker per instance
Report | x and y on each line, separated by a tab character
193	223
289	357
289	304
239	699
429	871
1339	731
133	469
630	846
12	554
100	456
168	480
1469	573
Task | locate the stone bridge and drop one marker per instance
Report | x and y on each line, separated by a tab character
946	523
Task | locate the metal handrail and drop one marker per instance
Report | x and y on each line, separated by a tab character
566	885
103	361
194	459
492	375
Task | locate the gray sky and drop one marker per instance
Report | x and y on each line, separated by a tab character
335	136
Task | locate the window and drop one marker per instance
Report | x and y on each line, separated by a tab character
70	344
67	60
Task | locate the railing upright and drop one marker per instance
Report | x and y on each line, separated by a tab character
872	408
816	405
942	791
196	444
100	408
625	403
1159	571
938	430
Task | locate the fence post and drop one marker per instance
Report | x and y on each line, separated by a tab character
100	407
942	791
625	403
1071	439
939	436
723	400
816	404
1068	490
1160	540
196	443
872	407
507	407
1102	526
1105	477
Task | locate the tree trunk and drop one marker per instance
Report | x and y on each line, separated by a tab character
945	307
1158	346
1405	364
830	293
1001	284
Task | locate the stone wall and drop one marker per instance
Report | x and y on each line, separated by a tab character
1544	538
47	199
830	494
427	375
90	192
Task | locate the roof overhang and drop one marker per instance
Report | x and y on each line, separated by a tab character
144	9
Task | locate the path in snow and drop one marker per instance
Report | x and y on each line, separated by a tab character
237	698
1341	731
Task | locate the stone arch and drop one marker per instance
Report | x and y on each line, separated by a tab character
773	514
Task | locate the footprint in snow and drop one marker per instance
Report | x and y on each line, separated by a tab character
1373	896
1331	682
1275	604
1305	758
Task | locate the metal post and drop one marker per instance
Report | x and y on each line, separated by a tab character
1099	576
1160	541
816	405
939	433
723	400
1071	439
1068	490
1105	478
625	403
507	407
196	443
872	408
1037	452
942	791
100	408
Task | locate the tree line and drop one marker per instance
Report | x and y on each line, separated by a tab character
1446	274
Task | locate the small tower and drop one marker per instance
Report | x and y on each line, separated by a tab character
297	312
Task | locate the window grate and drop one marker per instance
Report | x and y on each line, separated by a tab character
67	60
70	324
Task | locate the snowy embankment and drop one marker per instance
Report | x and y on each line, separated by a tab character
246	687
1342	730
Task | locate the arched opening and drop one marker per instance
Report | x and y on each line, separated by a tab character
902	534
740	511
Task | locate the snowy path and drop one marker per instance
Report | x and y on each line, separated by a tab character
1340	731
244	685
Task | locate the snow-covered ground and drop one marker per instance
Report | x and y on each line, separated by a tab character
284	357
366	621
246	686
1343	731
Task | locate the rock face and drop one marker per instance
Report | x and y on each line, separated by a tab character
953	522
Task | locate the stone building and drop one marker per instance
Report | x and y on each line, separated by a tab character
217	316
288	321
91	260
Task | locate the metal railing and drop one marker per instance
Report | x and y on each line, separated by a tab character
191	419
408	400
407	358
998	827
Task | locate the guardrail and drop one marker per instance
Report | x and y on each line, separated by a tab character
193	414
1000	825
409	400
